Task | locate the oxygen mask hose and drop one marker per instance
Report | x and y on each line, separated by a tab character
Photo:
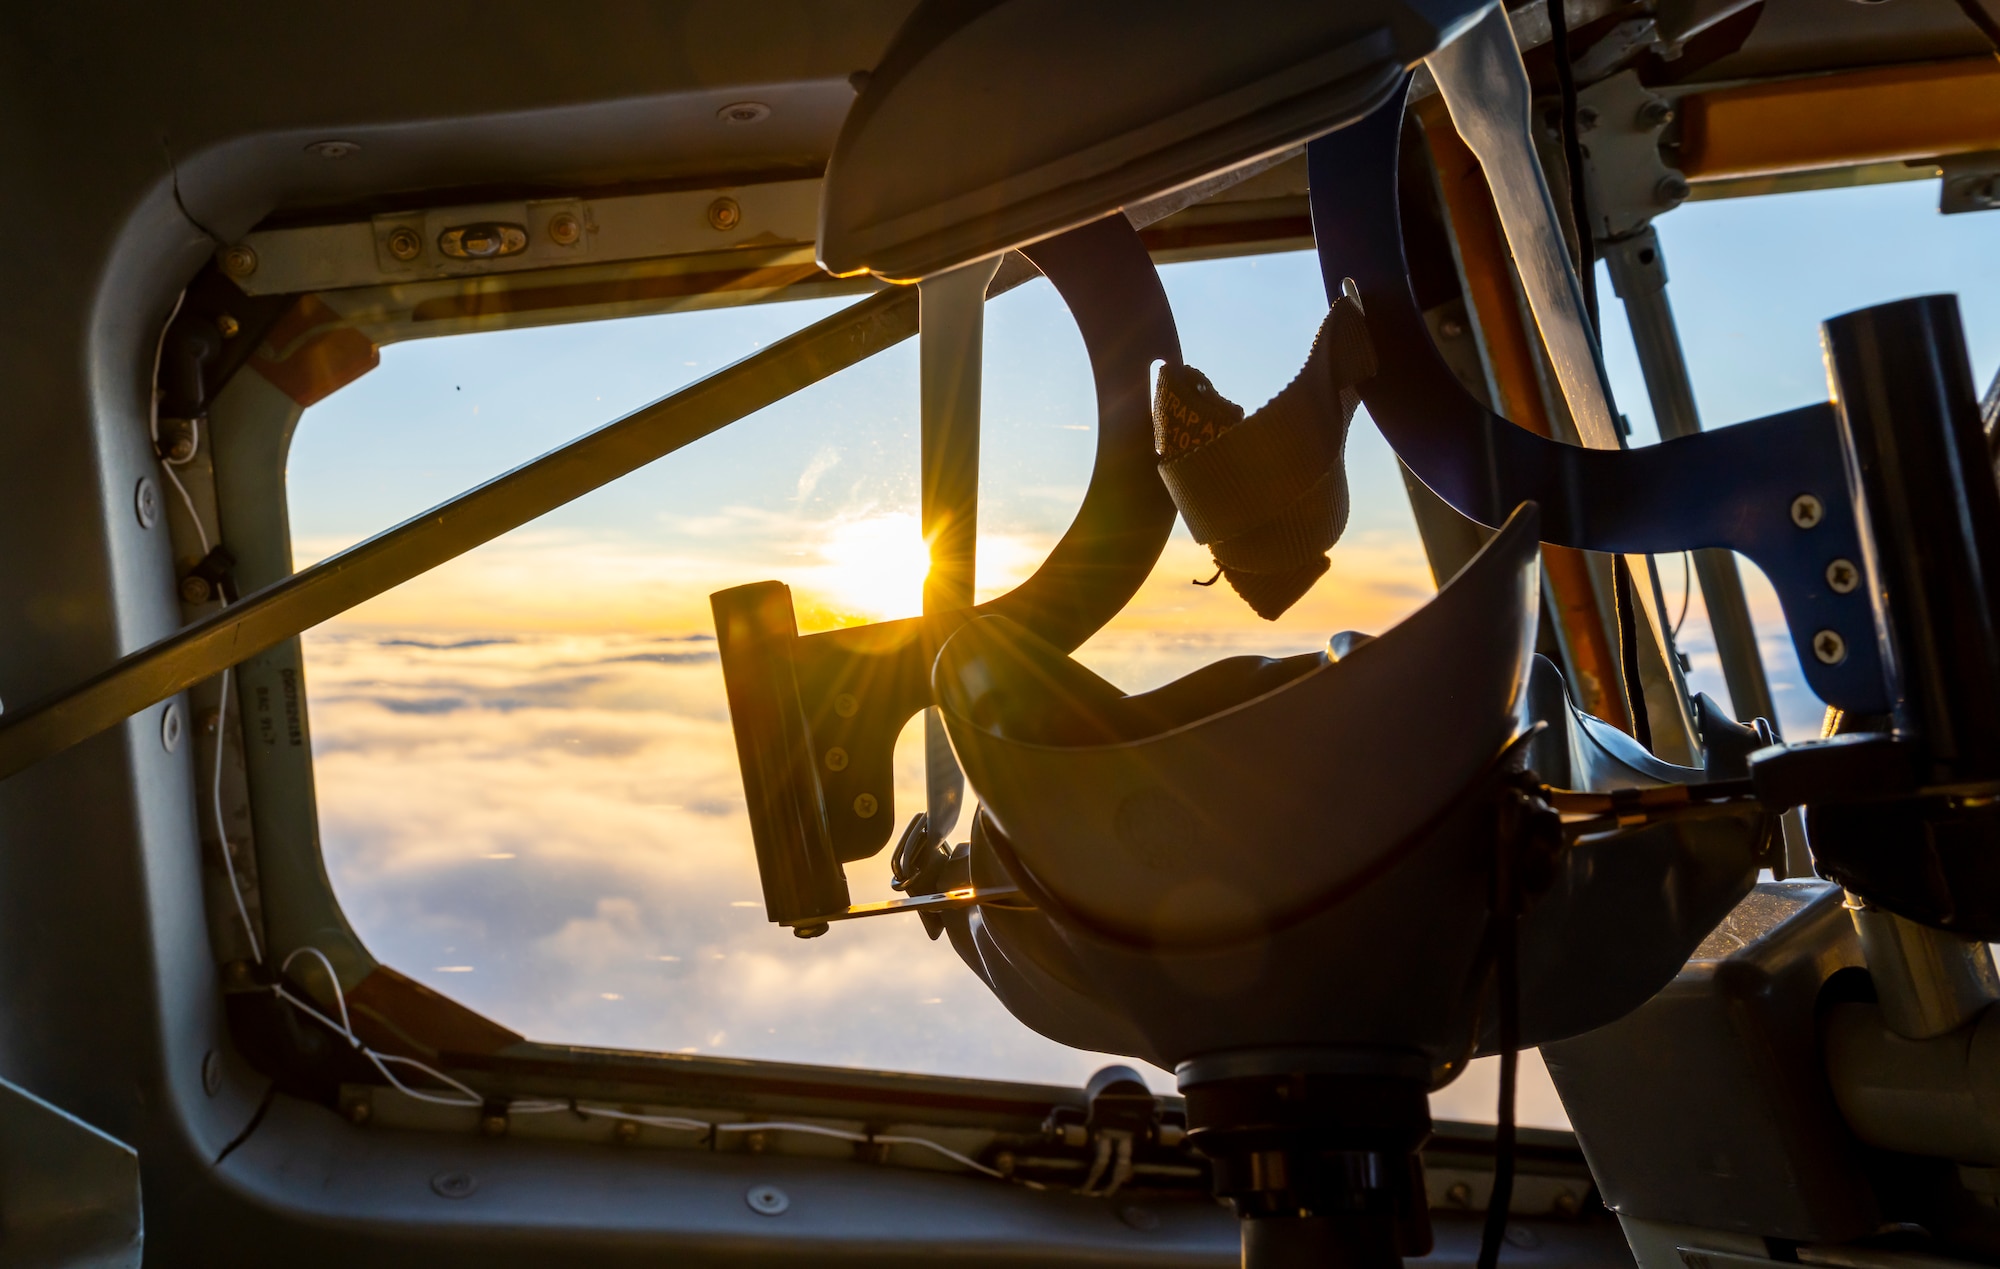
1267	494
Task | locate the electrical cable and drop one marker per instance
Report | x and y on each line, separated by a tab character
1687	592
1506	949
1572	144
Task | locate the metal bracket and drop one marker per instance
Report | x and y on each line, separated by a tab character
1775	489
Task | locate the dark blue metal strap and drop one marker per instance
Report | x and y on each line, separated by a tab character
1733	488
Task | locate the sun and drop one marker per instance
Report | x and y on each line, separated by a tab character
873	566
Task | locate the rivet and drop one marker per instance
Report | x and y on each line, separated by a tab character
405	243
1829	647
146	502
724	214
864	805
1807	511
239	261
334	149
1459	1195
211	1072
494	1125
767	1200
1656	113
1842	576
744	112
172	725
1566	1203
360	1112
564	230
626	1131
227	325
454	1185
845	705
836	759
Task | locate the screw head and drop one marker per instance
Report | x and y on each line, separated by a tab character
724	214
744	112
227	326
865	805
1843	577
493	1125
1451	328
564	230
1829	647
172	727
194	589
360	1112
239	261
1566	1203
1459	1195
146	502
1807	511
767	1200
1672	189
180	447
405	243
836	759
454	1185
845	705
626	1131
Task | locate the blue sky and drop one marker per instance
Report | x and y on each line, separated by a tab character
545	820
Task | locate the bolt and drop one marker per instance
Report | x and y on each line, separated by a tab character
1829	647
146	502
626	1131
724	214
1843	577
845	705
178	445
865	805
405	243
564	230
194	589
1672	189
493	1125
1807	511
744	112
227	325
836	759
810	929
1459	1195
1656	113
1586	118
359	1112
1451	328
239	261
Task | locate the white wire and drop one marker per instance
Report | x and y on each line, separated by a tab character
222	835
